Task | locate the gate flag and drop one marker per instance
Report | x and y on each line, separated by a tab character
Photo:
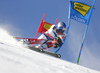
80	12
44	26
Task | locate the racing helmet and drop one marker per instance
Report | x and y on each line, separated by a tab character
61	27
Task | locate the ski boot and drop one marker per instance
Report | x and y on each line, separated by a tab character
40	48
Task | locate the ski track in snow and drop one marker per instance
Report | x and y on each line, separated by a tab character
16	59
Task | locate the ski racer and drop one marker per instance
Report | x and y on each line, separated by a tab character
56	32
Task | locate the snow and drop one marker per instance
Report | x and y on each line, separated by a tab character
16	59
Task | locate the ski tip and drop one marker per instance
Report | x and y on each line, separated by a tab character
58	55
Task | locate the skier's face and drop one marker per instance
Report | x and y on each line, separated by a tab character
60	32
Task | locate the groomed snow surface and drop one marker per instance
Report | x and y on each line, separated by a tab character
16	59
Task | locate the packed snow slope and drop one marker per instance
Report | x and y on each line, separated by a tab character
16	59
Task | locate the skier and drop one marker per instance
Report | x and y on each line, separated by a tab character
56	32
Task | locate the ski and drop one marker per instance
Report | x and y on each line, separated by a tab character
45	52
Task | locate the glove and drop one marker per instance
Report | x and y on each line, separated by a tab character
58	40
58	43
